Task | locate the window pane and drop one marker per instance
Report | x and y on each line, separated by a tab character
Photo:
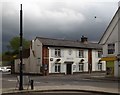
99	54
81	67
99	66
55	68
111	48
58	67
57	52
81	53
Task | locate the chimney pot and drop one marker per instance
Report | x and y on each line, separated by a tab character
84	39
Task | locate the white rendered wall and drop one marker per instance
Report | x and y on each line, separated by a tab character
37	49
67	57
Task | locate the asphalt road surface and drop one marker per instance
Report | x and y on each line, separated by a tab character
9	81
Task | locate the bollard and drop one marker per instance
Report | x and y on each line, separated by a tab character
32	86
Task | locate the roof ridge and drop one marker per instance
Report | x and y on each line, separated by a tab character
66	40
59	39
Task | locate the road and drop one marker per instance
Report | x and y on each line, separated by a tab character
55	93
10	81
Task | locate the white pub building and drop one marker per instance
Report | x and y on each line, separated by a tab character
58	56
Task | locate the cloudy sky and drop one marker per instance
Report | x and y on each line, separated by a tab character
63	19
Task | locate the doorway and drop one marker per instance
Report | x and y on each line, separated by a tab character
110	68
68	69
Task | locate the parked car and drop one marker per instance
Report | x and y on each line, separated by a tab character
5	69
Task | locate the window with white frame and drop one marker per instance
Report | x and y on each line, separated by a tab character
99	54
100	66
81	66
57	52
57	67
111	48
81	53
38	61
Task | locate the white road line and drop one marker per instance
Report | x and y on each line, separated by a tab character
12	80
86	79
37	82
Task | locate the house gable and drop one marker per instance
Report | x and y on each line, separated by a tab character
111	33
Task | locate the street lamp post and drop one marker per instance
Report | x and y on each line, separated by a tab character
21	34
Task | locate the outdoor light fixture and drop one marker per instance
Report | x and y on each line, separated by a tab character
81	60
99	61
58	60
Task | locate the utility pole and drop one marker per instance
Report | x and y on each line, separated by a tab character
21	48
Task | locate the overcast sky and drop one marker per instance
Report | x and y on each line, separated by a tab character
63	19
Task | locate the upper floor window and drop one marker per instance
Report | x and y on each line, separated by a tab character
81	53
111	48
99	54
57	52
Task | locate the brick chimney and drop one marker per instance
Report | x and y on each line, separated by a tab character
84	39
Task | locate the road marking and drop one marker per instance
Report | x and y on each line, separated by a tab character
12	80
86	79
37	82
98	76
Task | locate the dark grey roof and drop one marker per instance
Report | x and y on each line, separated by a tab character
67	43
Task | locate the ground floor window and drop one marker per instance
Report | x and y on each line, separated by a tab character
100	66
81	66
57	67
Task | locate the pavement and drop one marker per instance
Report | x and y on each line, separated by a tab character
77	88
111	91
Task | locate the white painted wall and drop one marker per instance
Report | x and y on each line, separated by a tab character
36	57
116	69
112	36
112	39
113	32
73	57
95	60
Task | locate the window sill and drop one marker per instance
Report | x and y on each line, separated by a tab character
57	72
57	56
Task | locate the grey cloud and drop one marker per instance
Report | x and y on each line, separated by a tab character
58	20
